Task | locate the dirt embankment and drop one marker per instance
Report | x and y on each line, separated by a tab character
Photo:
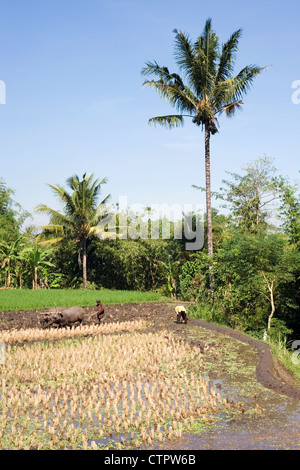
270	372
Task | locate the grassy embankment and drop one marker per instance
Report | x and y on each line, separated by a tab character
27	299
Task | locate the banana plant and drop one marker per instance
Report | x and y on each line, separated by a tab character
171	268
11	253
37	260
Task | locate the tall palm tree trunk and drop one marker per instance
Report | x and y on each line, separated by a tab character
208	191
84	277
208	205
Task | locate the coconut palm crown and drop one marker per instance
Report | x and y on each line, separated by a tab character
210	89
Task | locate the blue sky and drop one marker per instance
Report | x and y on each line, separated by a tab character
75	101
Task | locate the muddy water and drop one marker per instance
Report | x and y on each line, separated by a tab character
278	429
268	421
267	435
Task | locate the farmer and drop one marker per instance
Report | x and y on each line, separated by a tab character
99	310
181	314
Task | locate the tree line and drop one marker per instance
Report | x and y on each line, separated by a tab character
255	261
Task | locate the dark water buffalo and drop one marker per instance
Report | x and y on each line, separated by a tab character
65	317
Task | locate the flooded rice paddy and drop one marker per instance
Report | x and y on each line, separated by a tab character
139	381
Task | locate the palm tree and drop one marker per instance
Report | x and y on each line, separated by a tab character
211	89
82	214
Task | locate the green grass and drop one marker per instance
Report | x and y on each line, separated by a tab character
288	357
207	312
27	299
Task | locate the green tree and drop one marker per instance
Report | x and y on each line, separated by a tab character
277	262
289	211
211	89
249	197
11	215
6	201
82	215
250	271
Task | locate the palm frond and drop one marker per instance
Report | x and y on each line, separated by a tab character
50	241
227	57
180	98
52	228
61	193
74	182
231	108
161	73
192	62
219	93
167	121
206	52
183	53
42	208
102	205
243	82
207	48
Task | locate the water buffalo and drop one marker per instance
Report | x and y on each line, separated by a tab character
66	317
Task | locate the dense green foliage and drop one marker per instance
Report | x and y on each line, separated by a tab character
257	261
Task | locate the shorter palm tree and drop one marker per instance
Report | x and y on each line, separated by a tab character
82	215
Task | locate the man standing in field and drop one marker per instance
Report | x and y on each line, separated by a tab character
99	310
